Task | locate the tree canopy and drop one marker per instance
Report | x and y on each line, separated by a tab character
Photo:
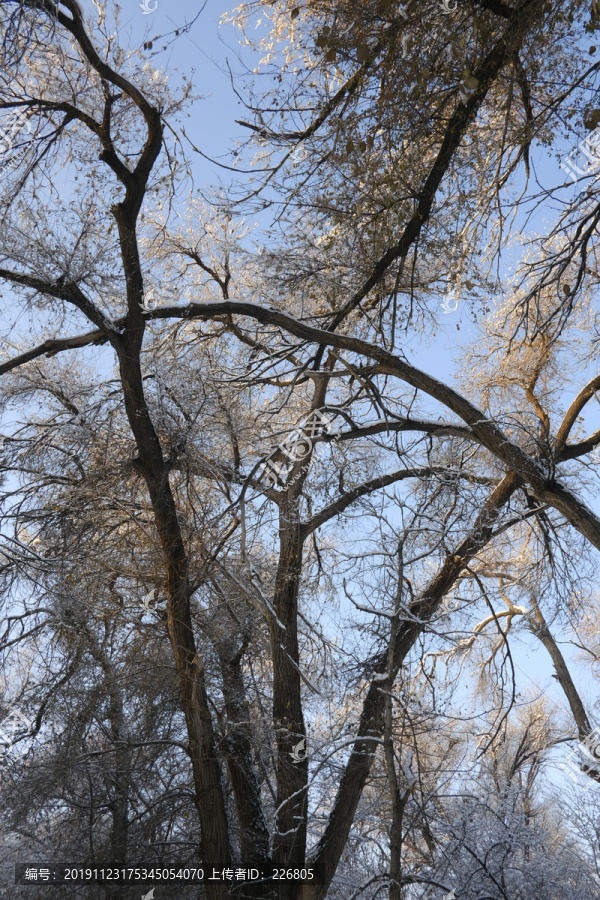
271	587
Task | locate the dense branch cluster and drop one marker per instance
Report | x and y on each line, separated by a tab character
326	668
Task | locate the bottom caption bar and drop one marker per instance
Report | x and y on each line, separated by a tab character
40	873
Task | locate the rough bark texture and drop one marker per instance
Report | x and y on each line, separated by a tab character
289	843
254	836
210	800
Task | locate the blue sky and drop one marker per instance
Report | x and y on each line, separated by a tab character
206	51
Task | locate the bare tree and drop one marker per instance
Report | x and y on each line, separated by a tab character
314	525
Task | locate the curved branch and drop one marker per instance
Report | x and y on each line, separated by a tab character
70	292
574	411
76	27
539	628
54	346
358	767
465	113
375	484
546	489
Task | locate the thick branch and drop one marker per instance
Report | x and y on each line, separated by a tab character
546	489
486	74
53	346
497	7
574	411
69	292
76	27
371	725
485	430
362	490
540	628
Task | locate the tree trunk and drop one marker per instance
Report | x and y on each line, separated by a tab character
358	767
210	802
289	844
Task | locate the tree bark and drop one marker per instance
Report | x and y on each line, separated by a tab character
254	835
215	850
358	767
542	632
289	843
